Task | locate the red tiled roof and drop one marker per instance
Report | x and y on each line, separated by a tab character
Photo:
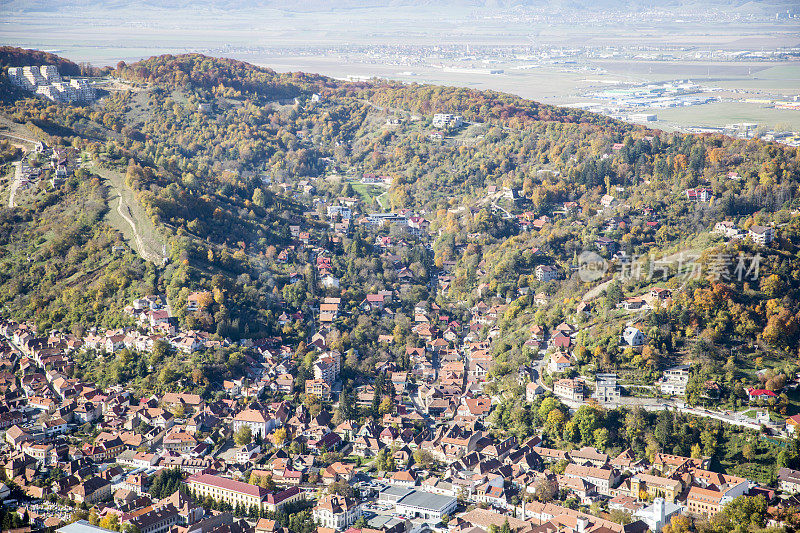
276	498
229	484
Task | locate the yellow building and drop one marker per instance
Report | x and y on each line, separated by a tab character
655	487
227	490
239	493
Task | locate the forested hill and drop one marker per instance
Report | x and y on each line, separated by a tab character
230	161
11	56
474	105
196	71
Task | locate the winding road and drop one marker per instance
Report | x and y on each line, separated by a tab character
651	404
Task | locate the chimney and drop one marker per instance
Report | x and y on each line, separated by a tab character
582	523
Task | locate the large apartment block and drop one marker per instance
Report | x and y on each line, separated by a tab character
45	80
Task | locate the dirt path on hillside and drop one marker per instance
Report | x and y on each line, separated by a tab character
15	184
25	145
132	222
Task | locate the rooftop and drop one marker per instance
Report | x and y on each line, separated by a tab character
228	484
82	526
427	501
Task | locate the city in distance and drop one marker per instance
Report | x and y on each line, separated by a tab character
680	65
405	266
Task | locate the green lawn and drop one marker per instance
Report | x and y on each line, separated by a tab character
369	193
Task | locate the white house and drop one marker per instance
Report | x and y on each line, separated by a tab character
726	228
246	452
337	512
259	423
632	336
532	390
559	362
329	282
608	201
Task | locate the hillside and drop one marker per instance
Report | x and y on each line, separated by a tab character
232	162
11	56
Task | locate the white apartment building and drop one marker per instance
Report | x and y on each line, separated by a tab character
762	235
546	273
328	367
675	380
444	120
45	81
606	388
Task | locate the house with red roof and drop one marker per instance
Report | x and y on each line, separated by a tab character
759	394
479	407
561	340
372	302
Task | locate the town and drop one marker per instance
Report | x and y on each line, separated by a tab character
234	300
417	449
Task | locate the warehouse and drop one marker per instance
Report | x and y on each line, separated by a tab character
426	505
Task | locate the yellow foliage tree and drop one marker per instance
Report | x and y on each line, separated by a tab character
279	437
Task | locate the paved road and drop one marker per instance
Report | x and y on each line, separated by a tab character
650	404
17	137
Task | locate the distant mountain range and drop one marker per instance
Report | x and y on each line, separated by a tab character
343	5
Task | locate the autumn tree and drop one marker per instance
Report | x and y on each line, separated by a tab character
279	437
243	436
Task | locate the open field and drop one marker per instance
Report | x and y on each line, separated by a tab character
368	193
721	113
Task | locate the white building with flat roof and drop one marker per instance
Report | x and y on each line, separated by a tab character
446	120
426	505
675	380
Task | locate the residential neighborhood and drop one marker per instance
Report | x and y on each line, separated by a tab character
238	300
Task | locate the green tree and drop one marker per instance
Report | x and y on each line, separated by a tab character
243	436
602	438
423	458
259	198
